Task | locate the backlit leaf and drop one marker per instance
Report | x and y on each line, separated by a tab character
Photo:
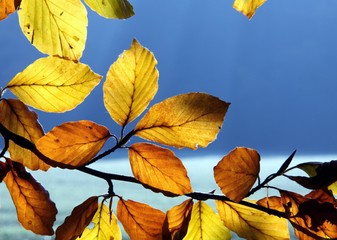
111	8
189	120
53	84
4	169
273	202
73	144
248	7
205	224
252	224
237	172
55	27
80	217
159	168
131	83
140	221
35	211
105	226
17	118
7	7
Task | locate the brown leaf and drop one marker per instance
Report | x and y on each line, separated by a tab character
140	221
237	172
7	7
159	168
17	118
4	169
35	210
79	218
73	144
189	120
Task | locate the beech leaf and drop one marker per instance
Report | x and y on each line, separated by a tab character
35	211
237	172
159	168
248	7
131	83
188	120
140	221
17	118
53	84
206	224
4	169
80	217
7	7
251	223
120	9
55	27
73	144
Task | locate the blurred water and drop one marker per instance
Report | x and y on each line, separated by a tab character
68	188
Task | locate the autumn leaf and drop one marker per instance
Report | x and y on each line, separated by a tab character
159	168
17	118
189	120
7	7
251	223
73	144
272	202
140	221
35	211
237	172
205	224
131	83
55	27
248	7
4	169
80	217
121	9
105	226
53	84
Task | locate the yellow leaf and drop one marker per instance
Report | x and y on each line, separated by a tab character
159	168
111	8
189	120
7	7
35	211
105	226
252	224
53	84
140	221
17	118
248	7
73	144
80	217
205	224
55	27
131	83
237	172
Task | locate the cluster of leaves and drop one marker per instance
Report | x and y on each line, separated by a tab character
59	83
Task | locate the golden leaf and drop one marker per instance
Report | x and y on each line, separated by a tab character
140	221
189	120
73	144
131	83
55	27
248	7
53	84
252	224
17	118
159	168
111	8
7	7
205	224
35	211
80	217
105	226
272	202
237	172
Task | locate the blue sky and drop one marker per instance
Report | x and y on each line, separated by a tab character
278	70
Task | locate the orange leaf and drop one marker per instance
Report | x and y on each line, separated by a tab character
248	7
4	169
140	221
73	144
35	210
237	172
178	218
159	168
7	7
189	120
272	203
17	118
80	217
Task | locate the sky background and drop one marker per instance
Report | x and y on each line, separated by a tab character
278	70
